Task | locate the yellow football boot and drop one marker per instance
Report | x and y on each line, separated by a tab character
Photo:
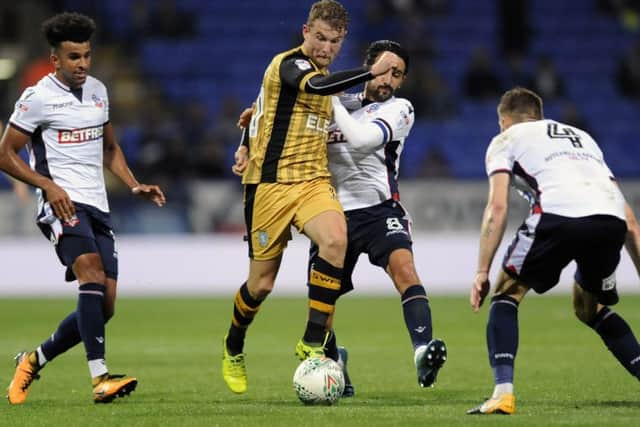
305	351
234	370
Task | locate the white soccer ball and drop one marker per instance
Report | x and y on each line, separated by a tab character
318	380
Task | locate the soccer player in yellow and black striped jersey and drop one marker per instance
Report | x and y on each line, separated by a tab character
286	180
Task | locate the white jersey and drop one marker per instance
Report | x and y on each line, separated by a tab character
66	128
560	169
364	178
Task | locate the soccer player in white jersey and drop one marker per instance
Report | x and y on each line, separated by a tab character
64	121
577	214
364	147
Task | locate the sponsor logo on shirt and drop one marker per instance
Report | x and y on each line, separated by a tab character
318	123
77	136
62	105
302	64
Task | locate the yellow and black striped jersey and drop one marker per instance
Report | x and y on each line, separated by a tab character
287	135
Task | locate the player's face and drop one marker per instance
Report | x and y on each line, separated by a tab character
72	62
322	42
385	85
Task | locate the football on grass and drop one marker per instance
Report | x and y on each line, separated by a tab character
318	380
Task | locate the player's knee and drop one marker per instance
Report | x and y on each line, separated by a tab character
585	314
404	273
88	269
261	288
334	247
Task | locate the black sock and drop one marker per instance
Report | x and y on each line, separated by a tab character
91	319
66	336
417	315
245	308
324	290
619	339
502	337
331	346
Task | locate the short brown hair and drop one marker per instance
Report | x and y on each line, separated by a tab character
520	103
330	11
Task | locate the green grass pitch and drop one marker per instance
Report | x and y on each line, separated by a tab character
564	375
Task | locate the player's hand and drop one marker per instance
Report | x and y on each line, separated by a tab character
245	117
479	290
150	192
385	62
60	202
242	159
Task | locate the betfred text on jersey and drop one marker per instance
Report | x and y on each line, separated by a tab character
77	136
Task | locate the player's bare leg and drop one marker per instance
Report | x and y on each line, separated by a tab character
262	275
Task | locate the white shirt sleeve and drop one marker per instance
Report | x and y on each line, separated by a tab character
499	156
27	113
398	117
362	136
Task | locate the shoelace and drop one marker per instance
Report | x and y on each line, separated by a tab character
30	377
237	364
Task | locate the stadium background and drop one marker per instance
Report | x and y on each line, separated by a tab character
179	72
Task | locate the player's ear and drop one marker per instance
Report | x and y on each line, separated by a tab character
54	58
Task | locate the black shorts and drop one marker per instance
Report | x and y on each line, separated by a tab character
89	232
376	231
546	243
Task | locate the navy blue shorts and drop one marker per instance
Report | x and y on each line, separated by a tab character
546	243
89	232
376	231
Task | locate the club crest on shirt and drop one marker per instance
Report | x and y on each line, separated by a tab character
97	101
372	108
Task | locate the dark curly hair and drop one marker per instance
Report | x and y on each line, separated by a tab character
68	26
379	46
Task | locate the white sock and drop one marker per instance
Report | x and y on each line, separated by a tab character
97	367
501	389
41	359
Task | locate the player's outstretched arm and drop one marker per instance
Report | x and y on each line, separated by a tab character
115	161
494	222
362	136
11	143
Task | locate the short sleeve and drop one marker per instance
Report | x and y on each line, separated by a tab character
499	157
28	112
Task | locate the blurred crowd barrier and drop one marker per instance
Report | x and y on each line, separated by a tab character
446	217
212	207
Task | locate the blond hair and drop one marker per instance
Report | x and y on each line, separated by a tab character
330	11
